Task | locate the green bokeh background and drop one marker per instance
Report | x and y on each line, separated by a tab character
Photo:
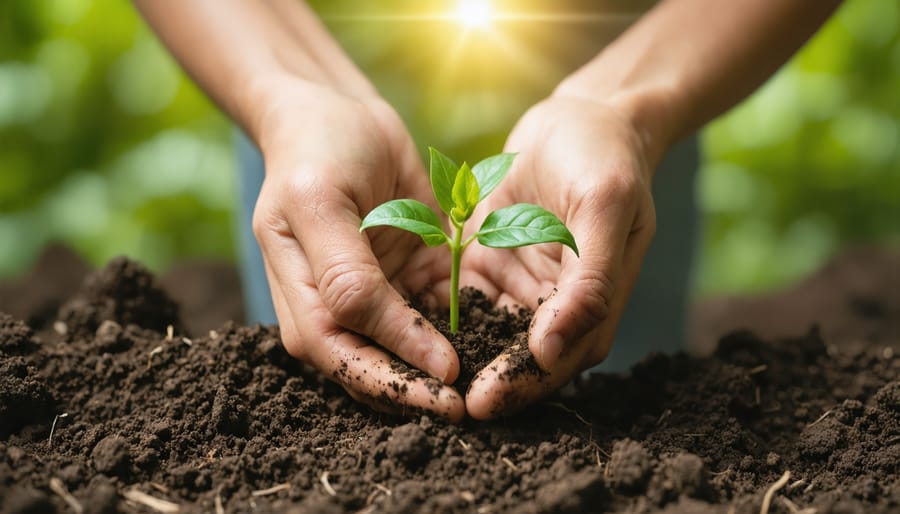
107	146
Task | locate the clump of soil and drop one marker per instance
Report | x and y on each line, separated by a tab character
127	293
227	421
485	332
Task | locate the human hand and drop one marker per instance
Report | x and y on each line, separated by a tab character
585	162
330	158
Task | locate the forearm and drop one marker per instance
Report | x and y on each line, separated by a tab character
687	61
236	49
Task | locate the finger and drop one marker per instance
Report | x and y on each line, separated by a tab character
363	370
590	284
353	287
505	385
366	372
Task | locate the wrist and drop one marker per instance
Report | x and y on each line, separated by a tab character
648	112
271	107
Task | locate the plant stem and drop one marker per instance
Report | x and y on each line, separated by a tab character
456	250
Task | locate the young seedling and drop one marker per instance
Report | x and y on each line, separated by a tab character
458	189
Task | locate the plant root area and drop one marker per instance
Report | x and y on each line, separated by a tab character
111	405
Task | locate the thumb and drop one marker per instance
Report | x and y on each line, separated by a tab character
580	303
592	289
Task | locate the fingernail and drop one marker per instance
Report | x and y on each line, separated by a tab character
551	347
437	365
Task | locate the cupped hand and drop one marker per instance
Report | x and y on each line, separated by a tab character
586	163
338	294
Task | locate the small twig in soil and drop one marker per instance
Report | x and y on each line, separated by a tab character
159	487
796	484
757	369
324	479
382	488
468	496
720	473
466	446
271	490
510	463
157	504
598	448
791	506
220	508
170	332
758	397
664	416
57	486
795	509
570	411
60	327
53	426
368	510
599	462
153	352
810	486
823	416
767	499
187	341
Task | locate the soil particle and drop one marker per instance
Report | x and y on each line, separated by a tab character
229	414
16	338
629	467
24	397
112	456
888	397
110	337
582	491
822	439
409	444
683	474
25	500
123	291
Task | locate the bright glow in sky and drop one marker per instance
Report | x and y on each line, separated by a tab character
475	14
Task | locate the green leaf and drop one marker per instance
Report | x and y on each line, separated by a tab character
465	194
411	215
523	224
442	173
490	172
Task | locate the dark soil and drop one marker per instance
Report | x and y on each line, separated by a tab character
227	422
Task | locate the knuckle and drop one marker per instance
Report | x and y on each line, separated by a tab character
347	290
620	185
264	222
595	288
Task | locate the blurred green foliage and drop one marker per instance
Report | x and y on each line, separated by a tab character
105	145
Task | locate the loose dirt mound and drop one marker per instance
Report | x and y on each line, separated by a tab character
228	422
